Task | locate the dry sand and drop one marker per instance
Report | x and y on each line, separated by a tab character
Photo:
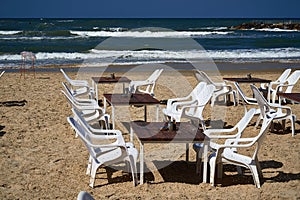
41	159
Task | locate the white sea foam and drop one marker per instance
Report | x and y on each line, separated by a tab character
40	38
9	32
275	30
105	57
149	34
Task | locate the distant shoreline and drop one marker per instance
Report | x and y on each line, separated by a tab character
222	66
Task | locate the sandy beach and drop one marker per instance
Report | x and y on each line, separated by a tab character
41	158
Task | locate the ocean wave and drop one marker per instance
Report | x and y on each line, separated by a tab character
165	56
275	30
149	34
40	38
9	32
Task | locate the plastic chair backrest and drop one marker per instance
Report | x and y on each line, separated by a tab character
292	80
83	134
154	76
240	91
262	102
2	73
203	96
268	118
202	76
68	79
284	75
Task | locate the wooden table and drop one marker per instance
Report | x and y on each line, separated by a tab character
291	96
247	80
149	132
130	99
109	80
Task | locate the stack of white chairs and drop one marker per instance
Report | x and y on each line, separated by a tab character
105	147
214	135
191	106
284	86
89	108
79	88
282	112
227	153
221	88
270	86
245	100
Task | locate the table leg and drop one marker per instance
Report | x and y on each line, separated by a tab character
141	163
157	112
187	152
205	160
145	113
95	86
113	115
123	88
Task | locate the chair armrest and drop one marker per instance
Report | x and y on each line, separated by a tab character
278	87
276	105
171	101
183	104
229	143
184	114
210	133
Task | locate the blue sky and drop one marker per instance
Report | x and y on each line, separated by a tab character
150	8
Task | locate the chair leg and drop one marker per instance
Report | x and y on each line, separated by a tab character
293	120
255	175
88	169
93	174
212	163
213	99
133	170
258	121
234	99
272	126
259	169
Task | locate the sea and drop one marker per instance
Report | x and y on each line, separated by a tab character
134	41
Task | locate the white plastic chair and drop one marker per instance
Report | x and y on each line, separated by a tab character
287	85
269	86
194	112
226	153
135	86
191	106
1	74
266	107
104	152
89	108
221	88
213	135
174	105
79	87
245	99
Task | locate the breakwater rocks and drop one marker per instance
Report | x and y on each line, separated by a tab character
261	25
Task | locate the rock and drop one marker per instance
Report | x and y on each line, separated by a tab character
261	25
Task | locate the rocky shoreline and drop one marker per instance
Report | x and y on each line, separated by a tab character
262	25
